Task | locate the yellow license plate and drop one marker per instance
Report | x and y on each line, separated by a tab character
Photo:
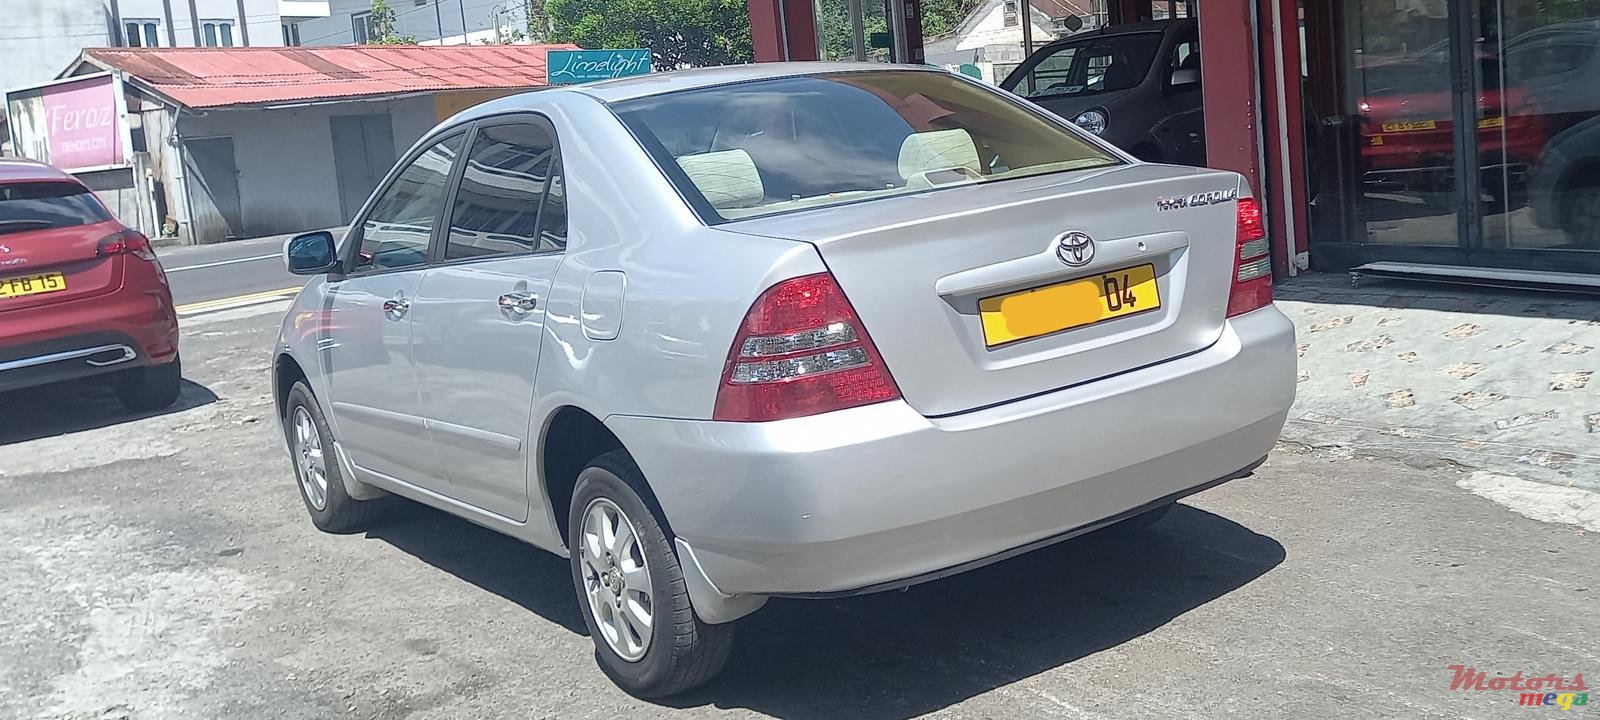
31	285
1409	126
1067	305
1493	122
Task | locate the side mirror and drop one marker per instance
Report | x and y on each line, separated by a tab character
312	253
1185	76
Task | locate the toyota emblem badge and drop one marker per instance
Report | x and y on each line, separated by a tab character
1075	248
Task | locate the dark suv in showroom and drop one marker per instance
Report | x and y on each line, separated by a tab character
1137	86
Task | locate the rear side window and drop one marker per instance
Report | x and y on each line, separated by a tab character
46	205
510	174
796	143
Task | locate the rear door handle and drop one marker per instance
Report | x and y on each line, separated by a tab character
396	308
517	304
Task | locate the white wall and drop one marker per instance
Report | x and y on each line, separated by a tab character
261	15
285	159
39	38
411	18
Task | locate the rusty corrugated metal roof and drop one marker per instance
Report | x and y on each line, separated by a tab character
218	77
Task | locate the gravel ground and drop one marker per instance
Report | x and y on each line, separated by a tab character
162	567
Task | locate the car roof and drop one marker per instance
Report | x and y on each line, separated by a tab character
14	170
610	91
1153	26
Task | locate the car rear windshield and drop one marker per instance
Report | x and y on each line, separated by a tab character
772	146
46	205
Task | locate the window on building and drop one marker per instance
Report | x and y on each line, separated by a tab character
142	33
217	33
291	34
361	27
1009	12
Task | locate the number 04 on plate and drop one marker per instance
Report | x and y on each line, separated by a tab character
1071	304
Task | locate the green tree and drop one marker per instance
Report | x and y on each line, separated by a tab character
381	23
679	33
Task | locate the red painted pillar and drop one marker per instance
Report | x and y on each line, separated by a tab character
1283	132
783	30
1132	11
1233	122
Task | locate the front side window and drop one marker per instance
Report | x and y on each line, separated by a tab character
47	205
1093	65
509	175
395	234
796	143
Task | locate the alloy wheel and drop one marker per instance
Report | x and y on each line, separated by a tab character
616	579
310	460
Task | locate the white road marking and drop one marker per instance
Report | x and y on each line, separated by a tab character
1542	502
220	263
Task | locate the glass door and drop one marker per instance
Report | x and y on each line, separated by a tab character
1538	123
856	30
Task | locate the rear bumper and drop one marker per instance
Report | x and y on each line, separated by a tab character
878	496
78	339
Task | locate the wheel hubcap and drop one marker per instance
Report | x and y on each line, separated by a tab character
616	579
310	462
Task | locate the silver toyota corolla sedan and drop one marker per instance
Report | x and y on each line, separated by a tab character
802	330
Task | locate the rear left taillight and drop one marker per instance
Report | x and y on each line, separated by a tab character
1252	262
126	242
801	350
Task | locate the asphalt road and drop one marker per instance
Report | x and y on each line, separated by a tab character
204	273
163	566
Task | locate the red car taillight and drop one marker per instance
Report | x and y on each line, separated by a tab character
126	242
801	350
1252	263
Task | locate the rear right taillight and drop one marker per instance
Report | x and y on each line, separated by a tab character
1252	261
801	350
126	242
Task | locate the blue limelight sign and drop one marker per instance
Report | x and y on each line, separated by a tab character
567	67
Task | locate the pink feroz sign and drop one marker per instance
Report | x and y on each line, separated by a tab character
82	122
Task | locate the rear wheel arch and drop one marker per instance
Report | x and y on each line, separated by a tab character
572	439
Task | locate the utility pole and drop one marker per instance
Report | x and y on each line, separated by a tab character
117	38
244	25
463	5
194	23
172	32
438	20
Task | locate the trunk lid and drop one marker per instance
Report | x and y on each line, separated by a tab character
916	267
70	251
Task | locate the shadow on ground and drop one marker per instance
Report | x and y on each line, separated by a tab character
75	406
904	654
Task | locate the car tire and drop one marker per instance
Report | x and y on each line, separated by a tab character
613	575
150	388
1581	217
317	471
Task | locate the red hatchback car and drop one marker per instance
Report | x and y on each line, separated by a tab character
81	294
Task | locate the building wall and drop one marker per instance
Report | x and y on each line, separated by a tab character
418	19
41	37
285	160
260	15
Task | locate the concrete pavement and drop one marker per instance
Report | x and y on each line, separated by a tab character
1506	381
163	566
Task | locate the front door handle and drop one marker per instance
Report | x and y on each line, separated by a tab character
518	304
396	308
